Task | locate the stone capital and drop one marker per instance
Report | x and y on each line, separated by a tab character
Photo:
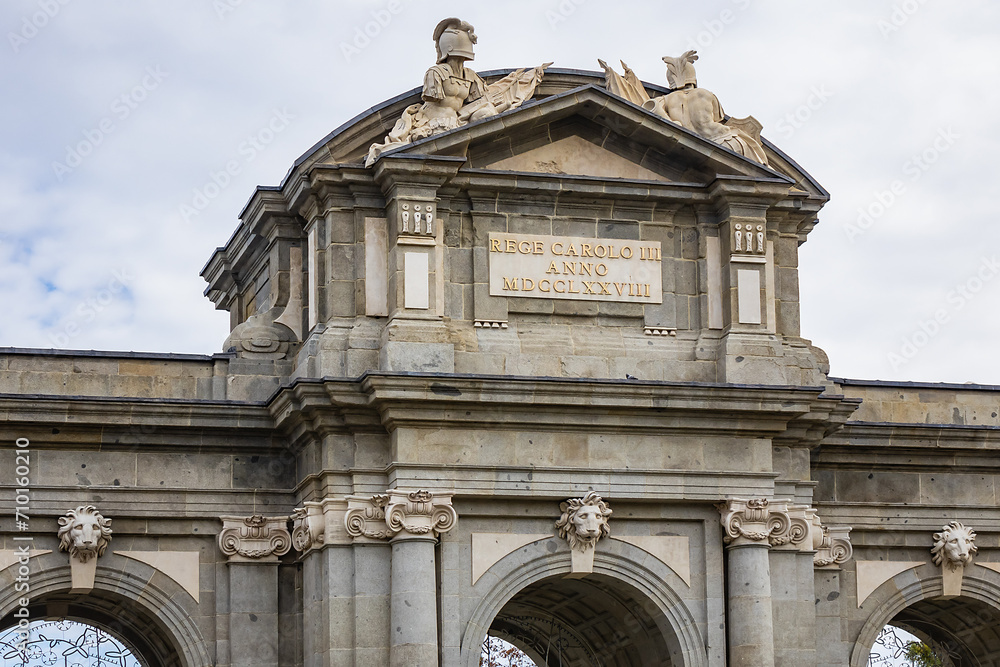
758	522
365	517
834	546
254	539
308	526
419	514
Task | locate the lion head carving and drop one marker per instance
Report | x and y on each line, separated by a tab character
584	521
954	546
84	533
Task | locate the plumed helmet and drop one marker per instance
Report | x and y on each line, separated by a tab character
680	70
454	37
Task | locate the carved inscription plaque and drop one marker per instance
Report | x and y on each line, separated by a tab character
569	267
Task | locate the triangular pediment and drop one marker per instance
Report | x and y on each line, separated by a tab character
575	155
588	131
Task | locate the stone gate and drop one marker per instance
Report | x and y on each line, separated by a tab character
512	354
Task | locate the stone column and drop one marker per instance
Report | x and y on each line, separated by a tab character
416	519
253	545
749	526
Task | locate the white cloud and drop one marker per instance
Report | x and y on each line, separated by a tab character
226	74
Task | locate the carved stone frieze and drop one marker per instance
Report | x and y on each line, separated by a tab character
254	538
417	218
419	513
366	517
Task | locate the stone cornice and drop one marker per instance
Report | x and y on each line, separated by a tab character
378	402
85	411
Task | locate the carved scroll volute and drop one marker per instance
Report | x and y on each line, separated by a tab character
365	517
308	526
835	546
254	538
754	521
794	528
419	513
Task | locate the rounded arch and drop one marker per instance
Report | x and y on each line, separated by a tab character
621	571
127	600
957	624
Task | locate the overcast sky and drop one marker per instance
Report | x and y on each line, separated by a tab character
116	115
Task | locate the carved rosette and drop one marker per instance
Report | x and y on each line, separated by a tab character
757	521
366	517
308	526
254	538
419	513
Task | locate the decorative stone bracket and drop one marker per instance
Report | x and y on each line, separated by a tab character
85	534
584	521
254	538
953	550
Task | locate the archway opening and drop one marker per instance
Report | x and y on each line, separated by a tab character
123	619
52	643
586	622
957	632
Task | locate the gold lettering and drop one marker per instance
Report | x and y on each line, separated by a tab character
586	269
571	290
585	250
629	249
557	252
599	267
509	284
524	284
552	268
569	268
524	247
571	252
601	251
544	282
619	287
538	249
511	245
495	245
647	289
555	286
604	286
589	287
